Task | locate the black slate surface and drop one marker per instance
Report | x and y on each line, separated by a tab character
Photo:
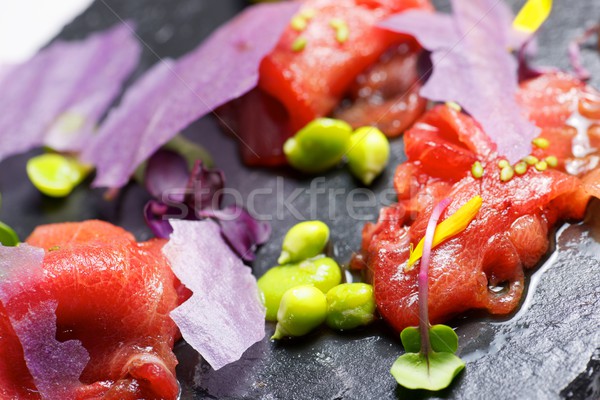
547	350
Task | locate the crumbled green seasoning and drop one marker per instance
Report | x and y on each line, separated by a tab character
477	170
552	161
541	142
507	173
531	160
503	164
521	168
298	23
299	44
541	165
342	33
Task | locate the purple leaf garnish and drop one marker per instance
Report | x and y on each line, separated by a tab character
55	366
472	66
241	230
204	188
155	215
167	175
225	315
174	94
57	97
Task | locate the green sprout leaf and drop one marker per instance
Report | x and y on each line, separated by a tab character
8	236
432	372
411	339
442	337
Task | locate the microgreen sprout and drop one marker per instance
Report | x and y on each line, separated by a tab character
429	361
341	29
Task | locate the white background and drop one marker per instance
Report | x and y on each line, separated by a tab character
26	25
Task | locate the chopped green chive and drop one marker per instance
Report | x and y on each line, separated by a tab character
541	165
298	23
56	175
341	29
477	170
503	163
552	161
299	44
531	160
521	168
507	173
541	142
308	13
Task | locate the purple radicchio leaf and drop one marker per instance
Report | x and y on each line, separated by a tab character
204	188
242	231
174	94
57	97
55	366
473	67
225	315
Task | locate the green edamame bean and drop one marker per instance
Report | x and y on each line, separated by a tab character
368	153
323	273
56	175
302	309
304	240
350	305
319	145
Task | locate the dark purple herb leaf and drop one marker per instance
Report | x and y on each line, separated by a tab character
167	176
240	229
204	188
155	214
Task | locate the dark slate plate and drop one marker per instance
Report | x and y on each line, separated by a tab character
549	349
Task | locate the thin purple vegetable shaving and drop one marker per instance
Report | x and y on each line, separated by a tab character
172	95
424	275
473	67
225	315
57	97
55	366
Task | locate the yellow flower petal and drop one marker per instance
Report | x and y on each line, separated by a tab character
448	228
532	15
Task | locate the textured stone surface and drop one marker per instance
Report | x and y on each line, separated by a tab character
547	350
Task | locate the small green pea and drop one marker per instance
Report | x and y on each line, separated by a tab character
304	240
318	146
323	273
350	305
368	154
302	309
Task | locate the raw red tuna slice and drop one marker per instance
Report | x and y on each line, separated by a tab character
114	296
483	266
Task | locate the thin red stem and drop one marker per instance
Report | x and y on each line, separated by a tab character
424	276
